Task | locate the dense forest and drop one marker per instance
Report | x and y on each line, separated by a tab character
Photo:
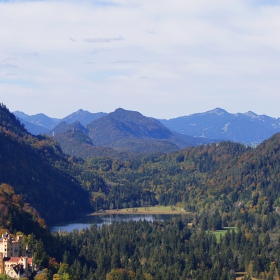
169	250
226	175
223	185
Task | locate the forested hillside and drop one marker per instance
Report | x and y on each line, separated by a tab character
221	185
17	215
226	175
36	168
73	140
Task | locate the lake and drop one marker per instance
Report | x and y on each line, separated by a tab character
99	220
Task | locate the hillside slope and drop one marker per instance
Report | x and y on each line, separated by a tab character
74	140
228	176
29	163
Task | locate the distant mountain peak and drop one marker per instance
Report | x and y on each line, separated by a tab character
20	114
83	116
247	128
130	131
217	111
40	115
81	111
121	111
121	114
252	115
65	127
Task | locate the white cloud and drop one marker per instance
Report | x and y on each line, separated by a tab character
126	61
6	64
103	40
95	51
11	74
192	55
35	54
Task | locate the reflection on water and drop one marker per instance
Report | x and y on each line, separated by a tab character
87	221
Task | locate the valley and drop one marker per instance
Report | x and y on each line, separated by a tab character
207	187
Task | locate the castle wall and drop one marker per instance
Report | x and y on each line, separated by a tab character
10	247
13	259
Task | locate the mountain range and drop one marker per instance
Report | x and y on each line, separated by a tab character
123	132
247	128
40	123
119	133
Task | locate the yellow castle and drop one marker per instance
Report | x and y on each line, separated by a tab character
15	261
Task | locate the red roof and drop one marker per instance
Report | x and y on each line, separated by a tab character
17	260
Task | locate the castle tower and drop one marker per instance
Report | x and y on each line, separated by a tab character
7	247
25	263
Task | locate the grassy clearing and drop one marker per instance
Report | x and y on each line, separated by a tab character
240	275
222	232
146	210
219	233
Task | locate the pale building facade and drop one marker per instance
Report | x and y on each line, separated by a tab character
15	261
10	247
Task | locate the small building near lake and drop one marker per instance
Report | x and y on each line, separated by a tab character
15	261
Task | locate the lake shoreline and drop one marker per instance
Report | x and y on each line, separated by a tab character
111	216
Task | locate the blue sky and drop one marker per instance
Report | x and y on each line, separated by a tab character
161	58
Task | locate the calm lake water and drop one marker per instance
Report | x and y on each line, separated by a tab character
87	221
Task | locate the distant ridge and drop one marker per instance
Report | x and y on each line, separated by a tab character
84	117
126	130
42	124
37	124
38	119
246	128
118	134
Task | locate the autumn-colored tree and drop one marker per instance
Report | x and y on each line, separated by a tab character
44	275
